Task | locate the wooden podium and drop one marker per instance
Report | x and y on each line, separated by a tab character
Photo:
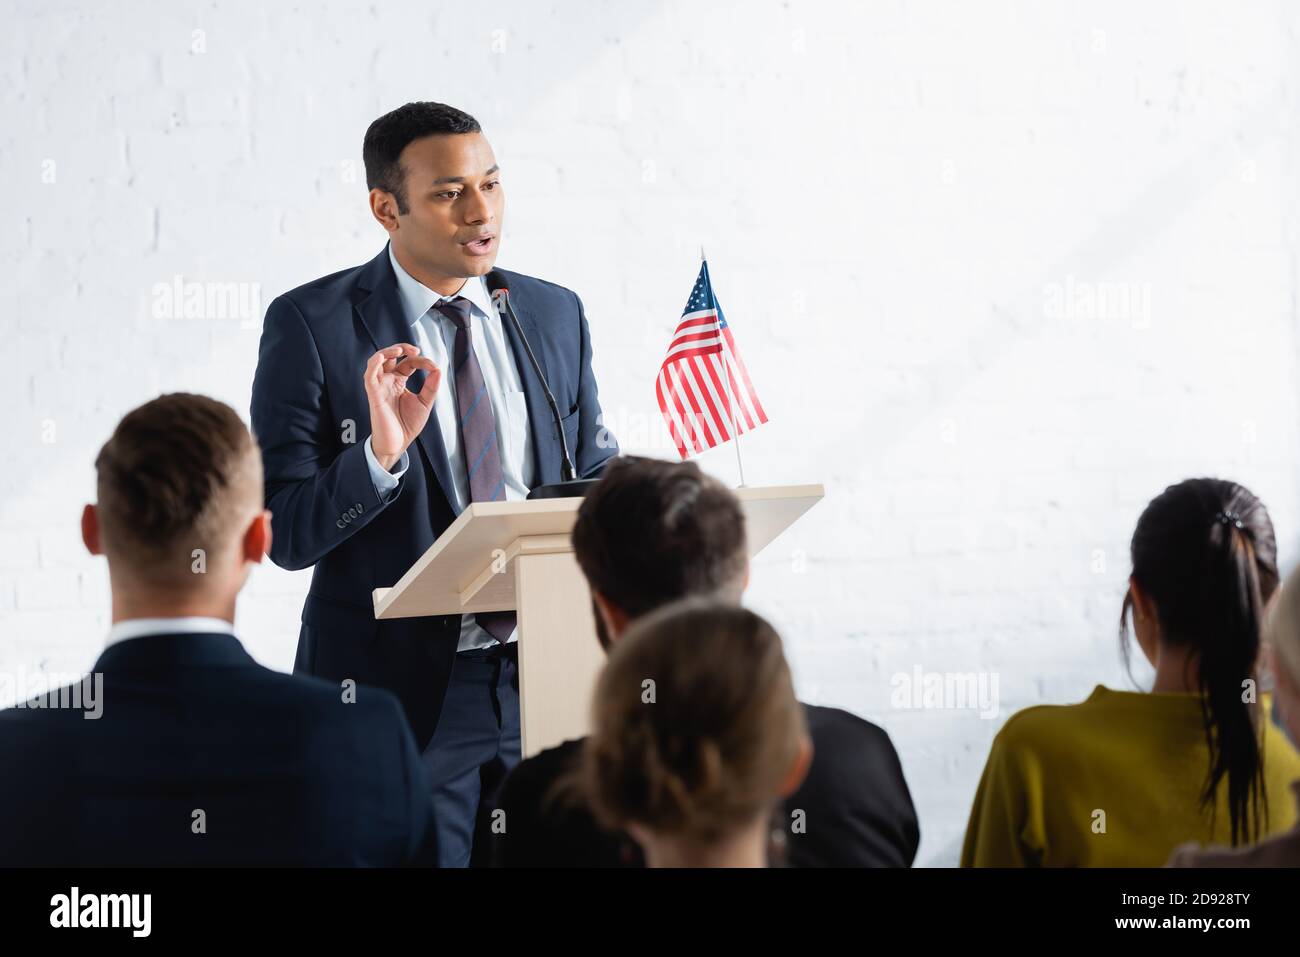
498	556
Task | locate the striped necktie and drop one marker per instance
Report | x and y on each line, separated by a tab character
478	437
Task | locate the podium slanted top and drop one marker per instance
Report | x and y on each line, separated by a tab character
470	568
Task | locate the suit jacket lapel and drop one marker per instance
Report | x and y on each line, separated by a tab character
380	309
546	457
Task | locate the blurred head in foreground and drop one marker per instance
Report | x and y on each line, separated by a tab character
698	736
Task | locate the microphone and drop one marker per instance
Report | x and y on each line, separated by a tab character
571	486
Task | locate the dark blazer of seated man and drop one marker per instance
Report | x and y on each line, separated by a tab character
179	749
650	533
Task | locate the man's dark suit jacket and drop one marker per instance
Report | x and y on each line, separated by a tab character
282	769
311	418
857	809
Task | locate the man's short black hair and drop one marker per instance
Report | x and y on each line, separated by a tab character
651	532
392	132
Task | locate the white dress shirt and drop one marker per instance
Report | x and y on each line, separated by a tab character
140	627
435	336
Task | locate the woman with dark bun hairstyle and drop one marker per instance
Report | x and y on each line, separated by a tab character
698	736
1123	778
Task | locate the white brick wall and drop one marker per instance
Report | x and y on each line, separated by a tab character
894	198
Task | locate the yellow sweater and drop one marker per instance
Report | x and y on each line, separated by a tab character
1114	781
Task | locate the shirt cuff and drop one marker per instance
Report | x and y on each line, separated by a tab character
384	480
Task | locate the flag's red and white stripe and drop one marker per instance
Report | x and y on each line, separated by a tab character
699	378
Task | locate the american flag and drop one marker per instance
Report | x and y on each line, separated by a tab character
702	374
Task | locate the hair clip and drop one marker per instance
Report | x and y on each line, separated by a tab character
1230	518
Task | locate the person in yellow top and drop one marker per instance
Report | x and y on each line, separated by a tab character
1121	779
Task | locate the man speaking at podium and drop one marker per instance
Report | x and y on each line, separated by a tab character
387	398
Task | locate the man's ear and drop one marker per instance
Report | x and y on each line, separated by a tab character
383	206
799	769
257	538
611	615
90	530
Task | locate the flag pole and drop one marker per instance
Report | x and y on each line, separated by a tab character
726	373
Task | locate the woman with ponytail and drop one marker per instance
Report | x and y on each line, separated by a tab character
1123	778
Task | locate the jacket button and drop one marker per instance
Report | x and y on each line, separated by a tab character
339	523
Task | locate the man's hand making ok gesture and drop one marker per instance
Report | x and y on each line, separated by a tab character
397	414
